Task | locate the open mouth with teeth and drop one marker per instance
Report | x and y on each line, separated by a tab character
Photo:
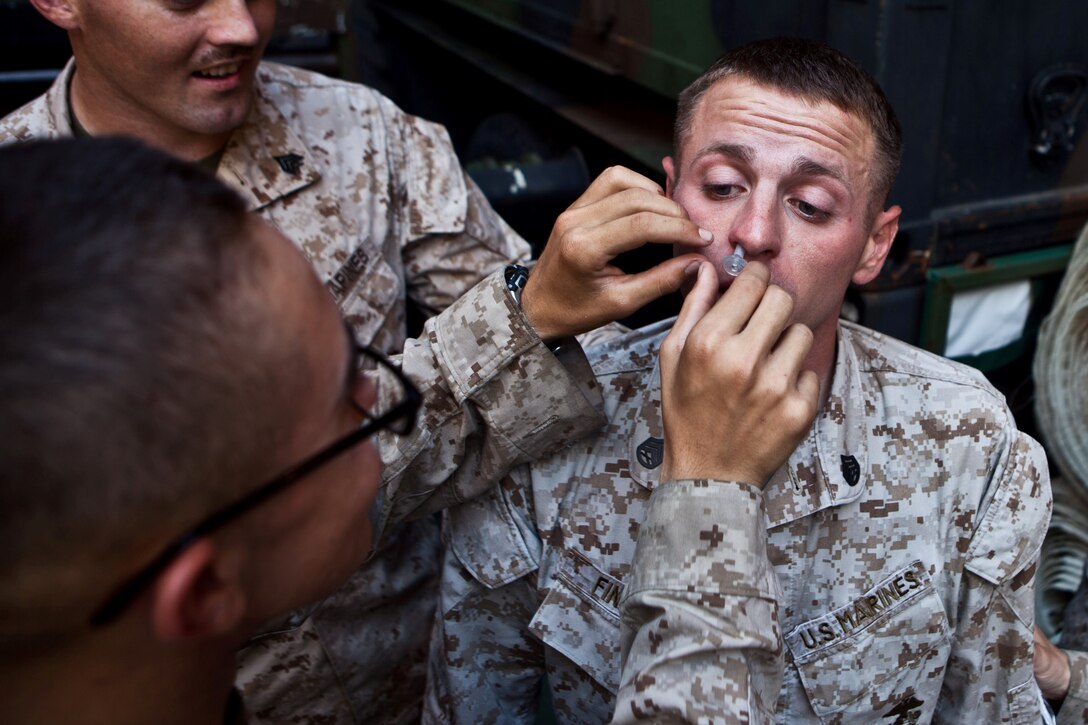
219	71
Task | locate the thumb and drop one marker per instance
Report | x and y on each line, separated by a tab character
696	304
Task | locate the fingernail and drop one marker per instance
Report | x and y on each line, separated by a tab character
706	234
692	269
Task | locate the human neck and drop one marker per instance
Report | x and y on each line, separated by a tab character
91	100
821	356
121	682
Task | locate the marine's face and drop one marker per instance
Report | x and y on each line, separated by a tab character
174	65
791	182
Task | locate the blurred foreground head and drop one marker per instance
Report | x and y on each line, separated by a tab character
164	354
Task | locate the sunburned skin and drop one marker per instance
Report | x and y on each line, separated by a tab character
790	182
180	76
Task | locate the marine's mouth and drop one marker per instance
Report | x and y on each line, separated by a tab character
219	71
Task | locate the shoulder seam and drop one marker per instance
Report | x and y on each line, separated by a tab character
958	373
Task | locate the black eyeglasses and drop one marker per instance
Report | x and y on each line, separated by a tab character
397	414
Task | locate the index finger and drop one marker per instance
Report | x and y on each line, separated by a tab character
612	180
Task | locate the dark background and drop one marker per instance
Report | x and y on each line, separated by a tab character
990	94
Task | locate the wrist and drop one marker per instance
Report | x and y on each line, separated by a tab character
1064	676
538	319
672	470
517	281
1054	673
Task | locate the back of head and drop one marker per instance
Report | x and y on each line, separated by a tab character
816	73
135	390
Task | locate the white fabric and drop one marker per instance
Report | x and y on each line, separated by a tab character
987	319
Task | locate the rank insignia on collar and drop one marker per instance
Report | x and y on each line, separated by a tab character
851	470
290	163
651	452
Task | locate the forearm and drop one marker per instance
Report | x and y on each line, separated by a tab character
990	675
494	396
700	629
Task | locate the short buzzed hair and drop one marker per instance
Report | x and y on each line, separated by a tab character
814	72
136	383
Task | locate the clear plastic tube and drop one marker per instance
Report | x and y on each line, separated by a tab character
734	263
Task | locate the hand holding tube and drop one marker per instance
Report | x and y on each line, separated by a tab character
735	400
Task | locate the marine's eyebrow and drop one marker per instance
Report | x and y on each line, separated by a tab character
804	166
739	152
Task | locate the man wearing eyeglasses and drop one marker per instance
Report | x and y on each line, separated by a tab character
378	203
185	449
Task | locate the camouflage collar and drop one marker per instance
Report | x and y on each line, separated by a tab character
265	159
828	469
56	102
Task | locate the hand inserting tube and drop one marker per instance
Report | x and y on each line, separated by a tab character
734	263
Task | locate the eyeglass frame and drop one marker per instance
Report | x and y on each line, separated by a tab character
399	419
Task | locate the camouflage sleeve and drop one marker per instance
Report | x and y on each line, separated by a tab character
453	238
1075	707
494	396
990	676
700	631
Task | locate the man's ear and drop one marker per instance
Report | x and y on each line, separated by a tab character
62	13
877	245
199	595
670	178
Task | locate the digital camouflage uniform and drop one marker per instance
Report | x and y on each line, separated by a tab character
378	202
896	585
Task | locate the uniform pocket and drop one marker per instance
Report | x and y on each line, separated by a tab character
879	656
1026	704
484	536
368	290
580	618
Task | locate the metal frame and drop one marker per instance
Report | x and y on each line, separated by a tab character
942	283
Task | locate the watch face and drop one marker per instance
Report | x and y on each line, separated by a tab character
516	277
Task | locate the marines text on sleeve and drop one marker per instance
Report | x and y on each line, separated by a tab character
903	535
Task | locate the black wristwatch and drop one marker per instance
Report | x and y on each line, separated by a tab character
516	277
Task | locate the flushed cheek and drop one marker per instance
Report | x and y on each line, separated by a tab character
699	210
